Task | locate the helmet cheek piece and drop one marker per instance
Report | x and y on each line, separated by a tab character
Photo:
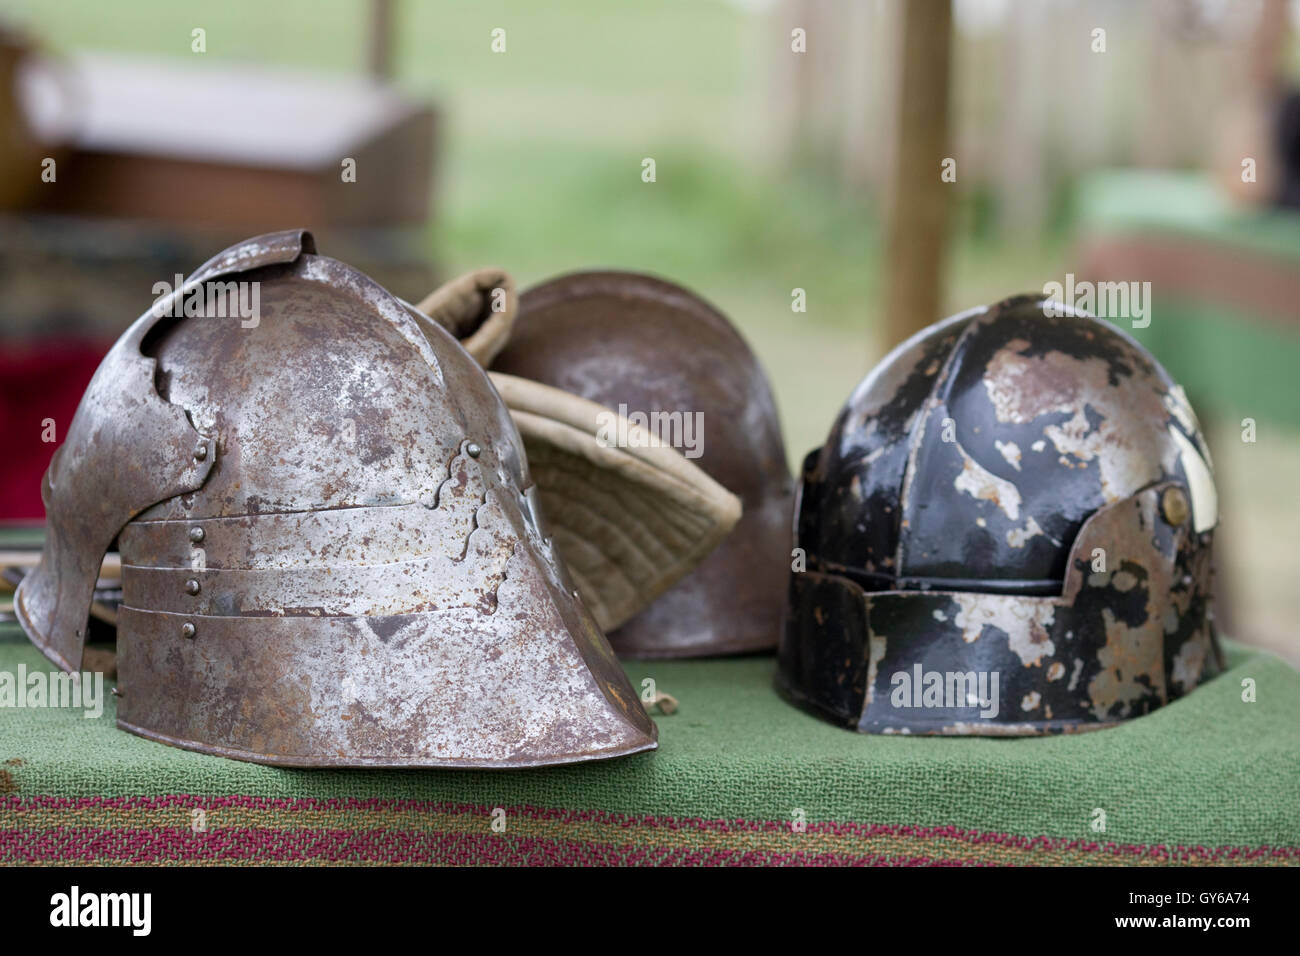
1131	630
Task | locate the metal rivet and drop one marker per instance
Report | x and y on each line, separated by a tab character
1173	504
200	452
187	629
192	586
473	450
196	534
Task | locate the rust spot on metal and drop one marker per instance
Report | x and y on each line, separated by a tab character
983	485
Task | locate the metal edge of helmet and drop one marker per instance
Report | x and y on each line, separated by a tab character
1008	532
332	553
629	514
639	344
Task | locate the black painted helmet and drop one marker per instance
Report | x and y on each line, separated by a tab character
1007	532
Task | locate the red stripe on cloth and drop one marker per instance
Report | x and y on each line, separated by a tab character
88	845
14	839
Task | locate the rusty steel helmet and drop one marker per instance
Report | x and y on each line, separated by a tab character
641	346
1007	532
331	549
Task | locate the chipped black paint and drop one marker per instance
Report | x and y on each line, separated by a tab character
952	517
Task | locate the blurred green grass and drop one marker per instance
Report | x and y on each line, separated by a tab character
541	150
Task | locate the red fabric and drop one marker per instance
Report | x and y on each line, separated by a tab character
38	381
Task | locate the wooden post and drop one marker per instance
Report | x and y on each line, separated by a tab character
918	198
381	39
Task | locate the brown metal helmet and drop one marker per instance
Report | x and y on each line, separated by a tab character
331	550
645	348
1008	531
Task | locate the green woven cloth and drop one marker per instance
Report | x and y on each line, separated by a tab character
1209	771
